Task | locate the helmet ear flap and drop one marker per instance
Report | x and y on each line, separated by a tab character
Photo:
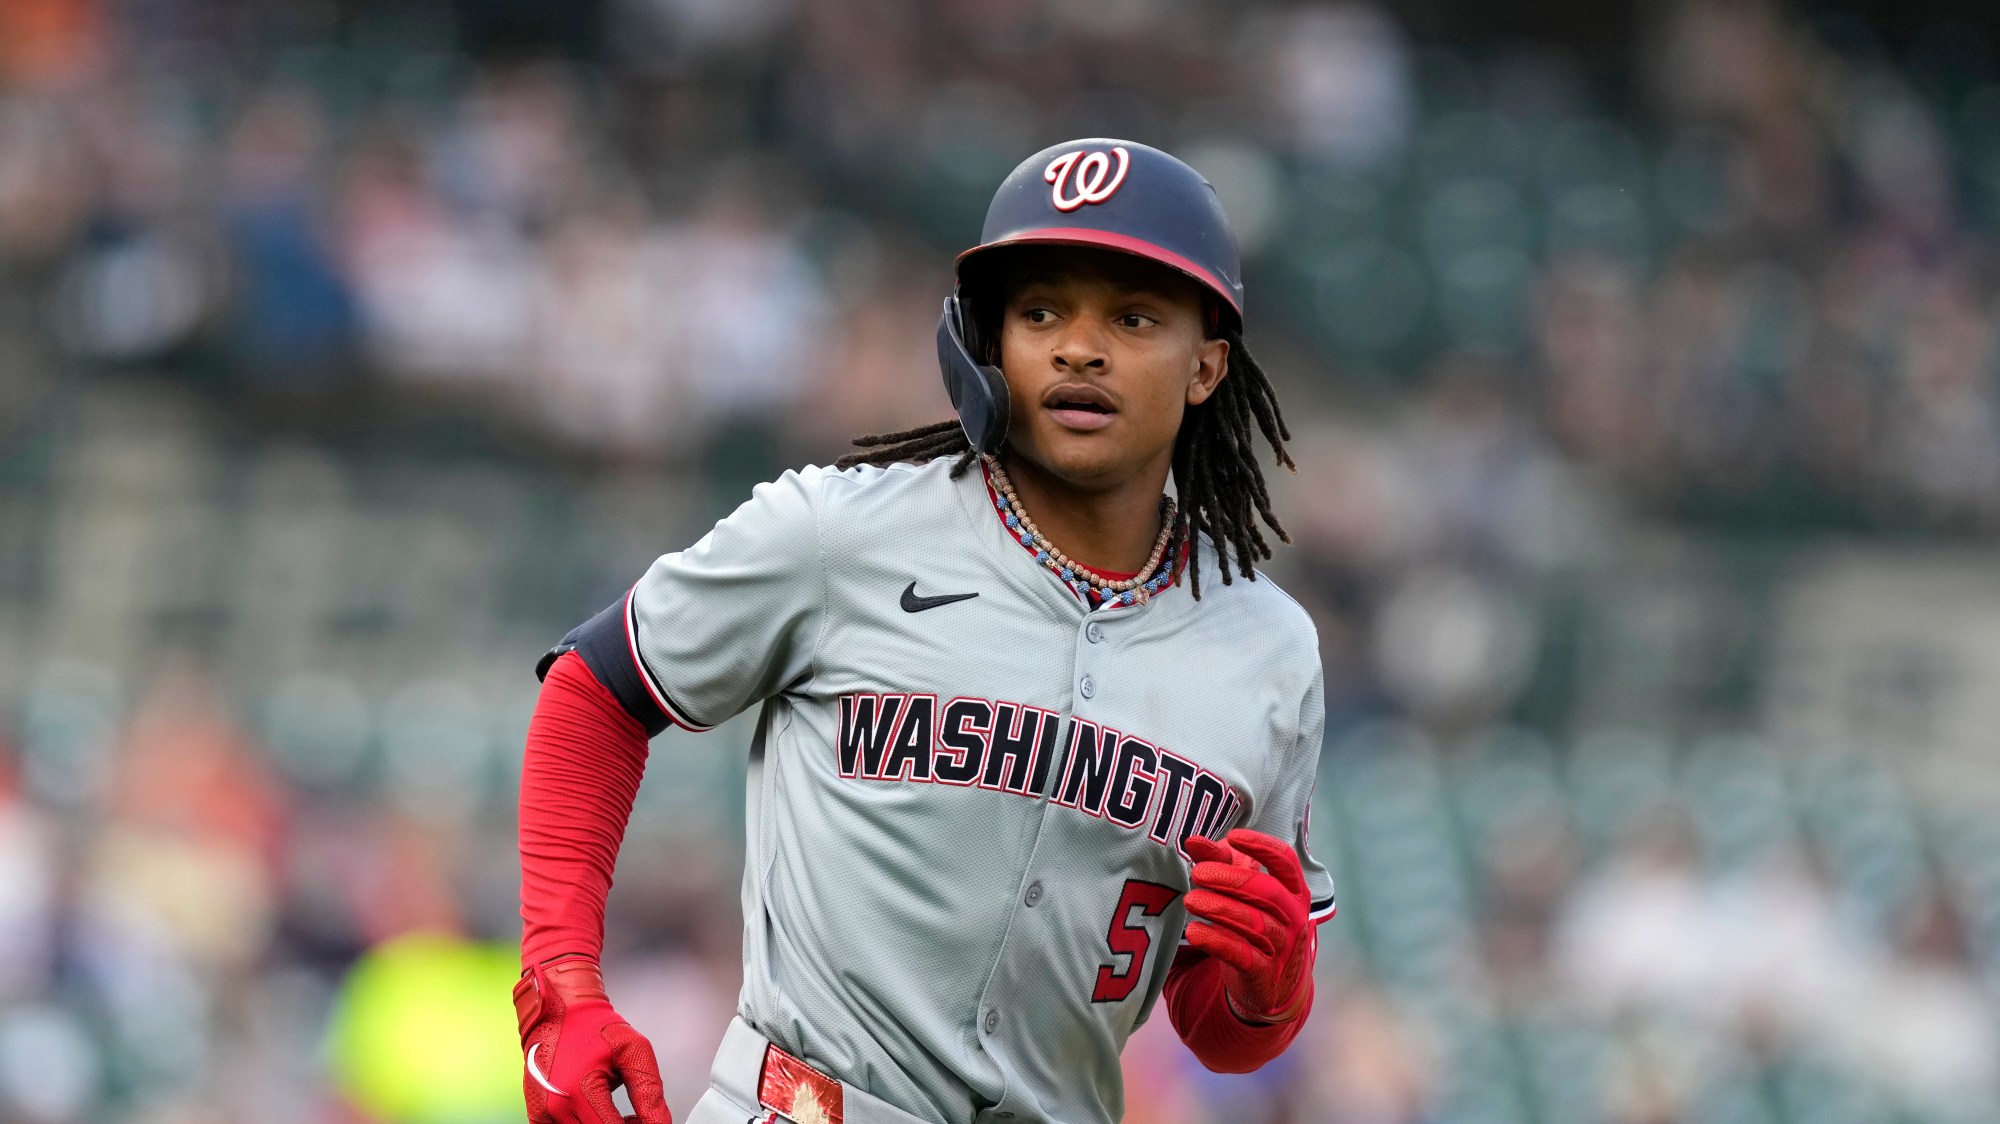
977	387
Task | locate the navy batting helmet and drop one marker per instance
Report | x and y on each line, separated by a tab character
1111	194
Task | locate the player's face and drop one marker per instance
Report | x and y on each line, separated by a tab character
1103	353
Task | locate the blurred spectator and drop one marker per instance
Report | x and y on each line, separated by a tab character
51	43
1924	1021
753	303
27	891
1346	84
444	293
1577	375
1637	933
193	826
611	335
293	314
46	182
1370	1066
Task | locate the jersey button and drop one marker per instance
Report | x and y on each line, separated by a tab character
1093	633
1034	894
1087	688
991	1022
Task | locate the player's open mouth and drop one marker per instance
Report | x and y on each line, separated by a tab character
1079	406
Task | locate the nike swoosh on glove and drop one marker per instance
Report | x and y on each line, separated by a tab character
577	1050
1251	911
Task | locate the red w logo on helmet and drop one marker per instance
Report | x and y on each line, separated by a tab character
1095	181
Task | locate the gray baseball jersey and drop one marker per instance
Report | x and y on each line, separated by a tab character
965	871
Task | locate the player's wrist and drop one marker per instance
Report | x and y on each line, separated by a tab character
559	987
547	960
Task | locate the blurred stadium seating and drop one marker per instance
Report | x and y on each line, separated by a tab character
1650	471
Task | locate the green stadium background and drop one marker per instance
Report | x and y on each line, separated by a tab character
1642	361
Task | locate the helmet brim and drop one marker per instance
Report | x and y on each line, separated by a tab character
1108	240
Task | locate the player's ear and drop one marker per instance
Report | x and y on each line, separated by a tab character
1211	360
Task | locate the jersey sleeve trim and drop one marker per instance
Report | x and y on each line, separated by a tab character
605	644
653	687
1322	910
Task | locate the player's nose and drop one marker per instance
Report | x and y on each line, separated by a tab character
1080	346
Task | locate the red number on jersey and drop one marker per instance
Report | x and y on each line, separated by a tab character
1129	940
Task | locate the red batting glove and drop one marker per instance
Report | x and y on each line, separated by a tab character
1255	920
578	1050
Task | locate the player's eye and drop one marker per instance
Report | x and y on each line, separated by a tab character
1136	320
1038	316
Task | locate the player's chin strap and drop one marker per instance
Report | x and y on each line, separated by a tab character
978	391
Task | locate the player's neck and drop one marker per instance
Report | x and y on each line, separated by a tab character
1111	530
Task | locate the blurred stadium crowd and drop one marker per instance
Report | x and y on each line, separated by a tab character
340	373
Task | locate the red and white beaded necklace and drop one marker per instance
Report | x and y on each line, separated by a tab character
1094	587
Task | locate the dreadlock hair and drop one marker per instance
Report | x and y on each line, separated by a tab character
1216	470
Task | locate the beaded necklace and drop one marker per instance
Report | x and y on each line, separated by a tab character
1085	582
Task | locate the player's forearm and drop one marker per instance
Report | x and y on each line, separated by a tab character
585	757
1221	1040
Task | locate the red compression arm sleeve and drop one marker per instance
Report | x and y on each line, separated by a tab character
1199	1011
584	759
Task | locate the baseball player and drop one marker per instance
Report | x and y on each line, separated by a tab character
1032	755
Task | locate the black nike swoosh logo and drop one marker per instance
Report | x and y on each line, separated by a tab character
914	604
